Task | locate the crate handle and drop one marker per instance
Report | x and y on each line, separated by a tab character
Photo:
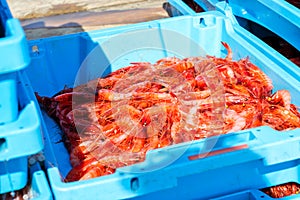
3	144
217	152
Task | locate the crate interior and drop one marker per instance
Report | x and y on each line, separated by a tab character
58	61
66	61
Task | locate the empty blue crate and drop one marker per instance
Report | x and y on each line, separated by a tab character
250	159
242	15
19	138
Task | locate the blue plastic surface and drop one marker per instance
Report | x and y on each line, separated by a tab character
262	156
37	188
254	195
9	99
40	186
26	129
19	138
278	16
5	13
13	174
14	53
181	8
240	25
14	56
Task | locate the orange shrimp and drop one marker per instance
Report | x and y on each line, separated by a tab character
153	136
121	159
282	98
169	61
233	121
196	82
175	63
74	96
88	168
138	144
93	171
77	154
294	109
101	112
107	83
256	74
251	112
229	51
109	95
48	104
222	61
183	66
180	133
227	74
279	118
237	90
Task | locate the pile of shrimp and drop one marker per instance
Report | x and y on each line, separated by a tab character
282	190
113	121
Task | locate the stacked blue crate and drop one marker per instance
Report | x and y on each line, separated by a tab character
19	139
262	12
13	57
38	188
245	160
20	126
278	16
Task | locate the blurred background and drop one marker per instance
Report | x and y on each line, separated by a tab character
44	18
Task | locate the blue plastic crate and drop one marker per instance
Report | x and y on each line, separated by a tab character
40	187
19	138
37	188
13	174
278	16
250	159
180	8
14	56
13	42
